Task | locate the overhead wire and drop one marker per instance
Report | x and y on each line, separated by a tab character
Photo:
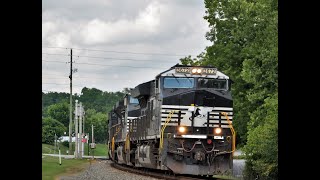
127	52
108	65
94	64
119	59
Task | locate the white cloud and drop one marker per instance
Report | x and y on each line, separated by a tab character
150	26
122	30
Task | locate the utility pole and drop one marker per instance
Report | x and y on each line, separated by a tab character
70	116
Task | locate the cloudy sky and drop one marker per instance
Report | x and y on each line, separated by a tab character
117	43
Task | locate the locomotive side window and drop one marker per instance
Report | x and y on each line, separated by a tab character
220	84
134	100
177	82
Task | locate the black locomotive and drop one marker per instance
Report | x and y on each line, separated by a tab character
180	121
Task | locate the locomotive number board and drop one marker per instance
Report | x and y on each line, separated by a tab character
188	70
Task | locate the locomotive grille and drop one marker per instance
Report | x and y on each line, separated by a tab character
213	115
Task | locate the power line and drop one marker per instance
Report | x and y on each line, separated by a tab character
127	52
62	84
120	59
56	47
108	65
57	54
56	75
88	78
55	61
54	91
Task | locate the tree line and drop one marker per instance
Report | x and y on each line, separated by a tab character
55	112
244	34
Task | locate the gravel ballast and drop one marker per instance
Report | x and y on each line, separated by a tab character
103	170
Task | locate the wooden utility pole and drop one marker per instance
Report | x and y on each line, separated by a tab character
70	116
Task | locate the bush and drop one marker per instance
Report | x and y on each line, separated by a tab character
50	127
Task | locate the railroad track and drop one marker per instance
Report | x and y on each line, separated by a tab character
167	175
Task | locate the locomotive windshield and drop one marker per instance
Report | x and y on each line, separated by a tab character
220	84
134	100
178	82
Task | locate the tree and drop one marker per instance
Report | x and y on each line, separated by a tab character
60	112
50	127
262	145
127	90
99	121
245	46
100	101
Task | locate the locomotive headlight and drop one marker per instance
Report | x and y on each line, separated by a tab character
196	71
181	129
217	130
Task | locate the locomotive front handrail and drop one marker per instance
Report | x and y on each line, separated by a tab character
232	131
163	128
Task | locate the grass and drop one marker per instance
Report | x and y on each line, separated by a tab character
49	149
100	150
51	168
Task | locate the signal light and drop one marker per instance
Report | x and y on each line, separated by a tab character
209	141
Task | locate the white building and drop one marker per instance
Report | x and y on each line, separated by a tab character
66	138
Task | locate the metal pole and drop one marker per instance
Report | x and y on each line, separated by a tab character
88	144
55	143
59	157
83	113
92	142
92	134
80	130
70	115
76	129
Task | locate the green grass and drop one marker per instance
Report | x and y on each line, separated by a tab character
49	149
100	150
51	168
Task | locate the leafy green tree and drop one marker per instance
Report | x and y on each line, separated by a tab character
99	122
245	47
262	146
60	112
50	127
53	98
96	99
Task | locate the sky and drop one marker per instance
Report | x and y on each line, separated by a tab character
117	44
